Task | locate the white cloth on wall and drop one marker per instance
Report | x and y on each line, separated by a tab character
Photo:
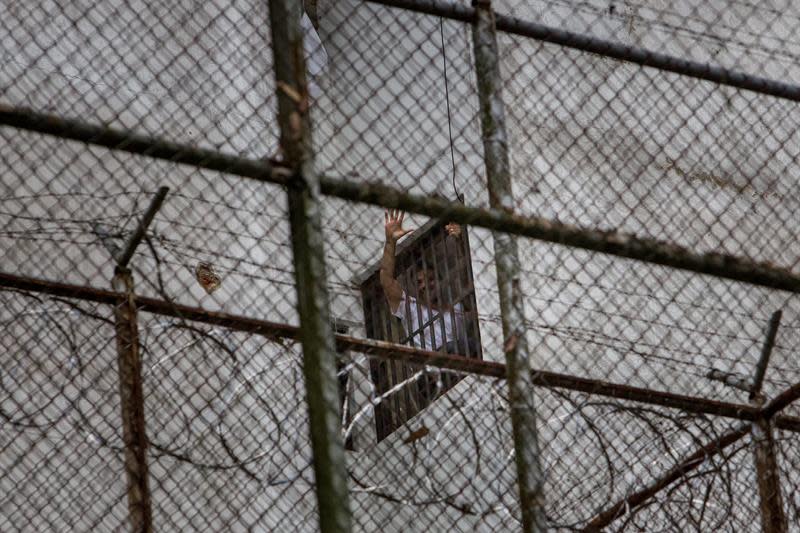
315	54
410	317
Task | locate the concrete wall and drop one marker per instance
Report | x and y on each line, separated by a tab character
593	142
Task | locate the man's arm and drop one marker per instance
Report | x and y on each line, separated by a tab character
393	224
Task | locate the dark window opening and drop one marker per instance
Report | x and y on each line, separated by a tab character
438	313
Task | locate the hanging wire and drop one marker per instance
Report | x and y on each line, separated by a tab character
459	196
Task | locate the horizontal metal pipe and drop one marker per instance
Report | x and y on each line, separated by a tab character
782	400
787	423
607	242
649	58
690	404
385	350
439	8
616	50
272	330
134	143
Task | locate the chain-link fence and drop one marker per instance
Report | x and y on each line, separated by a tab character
215	318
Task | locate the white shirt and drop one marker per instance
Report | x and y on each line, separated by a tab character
412	323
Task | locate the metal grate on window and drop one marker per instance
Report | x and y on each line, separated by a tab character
438	313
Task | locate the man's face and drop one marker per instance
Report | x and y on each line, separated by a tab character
426	293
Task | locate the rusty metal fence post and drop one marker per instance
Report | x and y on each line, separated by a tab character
129	363
773	516
316	333
530	478
132	402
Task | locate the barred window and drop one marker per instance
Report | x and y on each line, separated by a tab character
438	313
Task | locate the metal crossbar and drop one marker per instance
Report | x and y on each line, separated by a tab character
612	243
622	52
387	350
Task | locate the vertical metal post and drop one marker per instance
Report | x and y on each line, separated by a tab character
773	516
316	334
766	352
520	386
132	402
129	365
127	252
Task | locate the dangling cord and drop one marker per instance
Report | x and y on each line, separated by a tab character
449	126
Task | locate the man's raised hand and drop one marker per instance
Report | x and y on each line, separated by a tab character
453	230
393	223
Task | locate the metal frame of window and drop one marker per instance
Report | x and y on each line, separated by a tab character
448	258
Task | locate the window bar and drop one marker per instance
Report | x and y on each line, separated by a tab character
394	401
406	275
410	393
409	274
316	332
406	395
455	245
452	297
420	328
469	297
376	366
383	410
456	323
430	391
461	254
422	386
390	405
463	281
449	345
381	367
443	302
530	477
429	323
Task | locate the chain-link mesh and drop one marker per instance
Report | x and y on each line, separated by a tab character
649	415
